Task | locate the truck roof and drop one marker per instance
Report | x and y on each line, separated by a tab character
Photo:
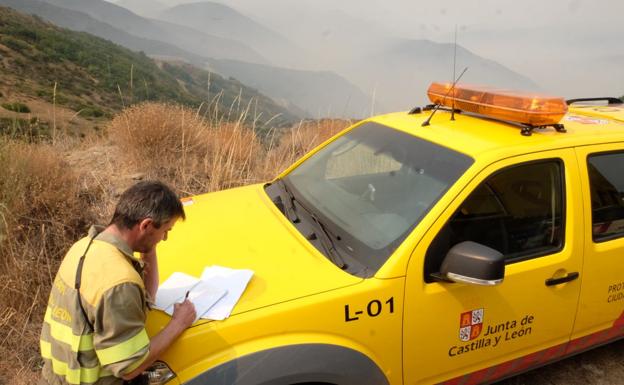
479	136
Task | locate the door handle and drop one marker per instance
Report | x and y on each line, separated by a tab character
556	281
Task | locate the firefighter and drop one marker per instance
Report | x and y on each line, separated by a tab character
94	326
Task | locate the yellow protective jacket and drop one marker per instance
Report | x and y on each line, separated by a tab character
113	341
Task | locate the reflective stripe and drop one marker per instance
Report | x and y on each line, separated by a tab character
46	349
136	363
65	334
72	376
124	350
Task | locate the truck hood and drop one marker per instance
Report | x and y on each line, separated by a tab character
242	229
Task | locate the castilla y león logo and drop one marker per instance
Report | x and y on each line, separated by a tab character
470	324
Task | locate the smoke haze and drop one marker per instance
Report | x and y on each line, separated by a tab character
569	48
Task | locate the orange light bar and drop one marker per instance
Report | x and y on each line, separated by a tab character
515	106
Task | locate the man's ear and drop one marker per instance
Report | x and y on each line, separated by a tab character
145	223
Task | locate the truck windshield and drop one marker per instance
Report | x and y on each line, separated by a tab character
372	186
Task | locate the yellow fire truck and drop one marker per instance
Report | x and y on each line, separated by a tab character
459	243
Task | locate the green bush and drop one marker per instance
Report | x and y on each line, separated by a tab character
31	131
92	112
14	44
16	107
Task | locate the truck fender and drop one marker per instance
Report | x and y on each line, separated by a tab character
296	364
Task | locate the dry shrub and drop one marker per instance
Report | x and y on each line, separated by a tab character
198	154
189	151
42	211
296	142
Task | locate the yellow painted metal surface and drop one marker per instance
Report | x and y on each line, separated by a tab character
519	316
614	112
602	294
327	317
242	229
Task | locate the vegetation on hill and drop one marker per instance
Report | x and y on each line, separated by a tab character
305	93
96	78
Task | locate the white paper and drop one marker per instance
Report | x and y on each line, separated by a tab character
233	281
174	289
204	296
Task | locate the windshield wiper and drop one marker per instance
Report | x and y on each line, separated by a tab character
325	238
289	203
329	245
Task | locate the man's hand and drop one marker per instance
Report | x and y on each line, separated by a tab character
183	317
184	314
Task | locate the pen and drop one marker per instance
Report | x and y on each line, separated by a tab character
186	296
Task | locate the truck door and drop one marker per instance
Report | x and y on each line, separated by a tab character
528	209
600	315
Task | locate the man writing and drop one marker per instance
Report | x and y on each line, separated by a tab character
94	326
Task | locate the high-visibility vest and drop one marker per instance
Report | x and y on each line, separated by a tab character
112	340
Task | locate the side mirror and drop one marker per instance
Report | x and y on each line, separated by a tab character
474	263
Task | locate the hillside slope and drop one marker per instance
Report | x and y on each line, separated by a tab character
315	93
222	21
96	78
145	8
82	22
401	70
178	35
310	90
395	69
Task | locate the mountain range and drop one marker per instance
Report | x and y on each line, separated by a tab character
215	19
45	64
348	68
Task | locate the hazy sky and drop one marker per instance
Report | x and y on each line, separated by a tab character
572	47
407	17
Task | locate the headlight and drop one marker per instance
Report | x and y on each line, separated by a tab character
157	374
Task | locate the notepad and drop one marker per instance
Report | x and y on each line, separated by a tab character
234	281
214	294
201	293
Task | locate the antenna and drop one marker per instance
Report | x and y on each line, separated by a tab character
454	66
426	122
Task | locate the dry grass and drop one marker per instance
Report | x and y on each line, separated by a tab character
197	154
287	147
175	144
49	193
42	210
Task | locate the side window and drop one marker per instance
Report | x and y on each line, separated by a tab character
517	211
606	183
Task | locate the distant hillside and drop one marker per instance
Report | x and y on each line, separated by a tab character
80	21
96	78
146	8
222	21
397	71
314	93
186	38
305	93
401	71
